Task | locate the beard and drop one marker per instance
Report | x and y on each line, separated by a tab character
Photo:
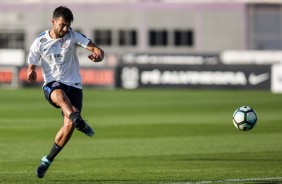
60	34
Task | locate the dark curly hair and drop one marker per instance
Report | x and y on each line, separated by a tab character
64	12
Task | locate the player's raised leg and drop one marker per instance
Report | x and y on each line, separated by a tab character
59	97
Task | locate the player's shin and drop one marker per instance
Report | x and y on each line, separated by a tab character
54	152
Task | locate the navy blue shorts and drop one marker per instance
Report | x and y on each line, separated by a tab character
75	95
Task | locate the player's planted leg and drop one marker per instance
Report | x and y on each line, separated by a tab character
61	139
43	167
80	124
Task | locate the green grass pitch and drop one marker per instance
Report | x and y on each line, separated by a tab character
144	136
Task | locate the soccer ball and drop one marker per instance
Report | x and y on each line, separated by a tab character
245	118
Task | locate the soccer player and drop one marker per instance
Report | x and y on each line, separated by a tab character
56	50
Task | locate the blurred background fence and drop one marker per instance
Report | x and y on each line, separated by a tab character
156	43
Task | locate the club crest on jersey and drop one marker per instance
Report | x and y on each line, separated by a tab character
64	43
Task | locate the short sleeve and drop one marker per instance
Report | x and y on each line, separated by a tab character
34	56
81	39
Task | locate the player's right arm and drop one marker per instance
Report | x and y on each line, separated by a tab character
31	73
33	59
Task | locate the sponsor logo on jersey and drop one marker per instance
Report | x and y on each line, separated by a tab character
55	84
42	40
57	56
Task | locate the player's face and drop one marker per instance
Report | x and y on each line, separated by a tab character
60	27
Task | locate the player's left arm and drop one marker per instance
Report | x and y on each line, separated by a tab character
97	53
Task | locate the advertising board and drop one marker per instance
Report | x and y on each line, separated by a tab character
276	78
194	76
97	77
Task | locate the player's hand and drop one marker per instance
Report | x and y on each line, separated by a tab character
97	53
95	57
31	75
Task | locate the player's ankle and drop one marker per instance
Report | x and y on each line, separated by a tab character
73	116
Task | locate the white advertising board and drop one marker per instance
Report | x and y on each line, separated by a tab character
276	78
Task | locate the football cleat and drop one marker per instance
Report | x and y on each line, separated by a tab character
82	126
44	165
